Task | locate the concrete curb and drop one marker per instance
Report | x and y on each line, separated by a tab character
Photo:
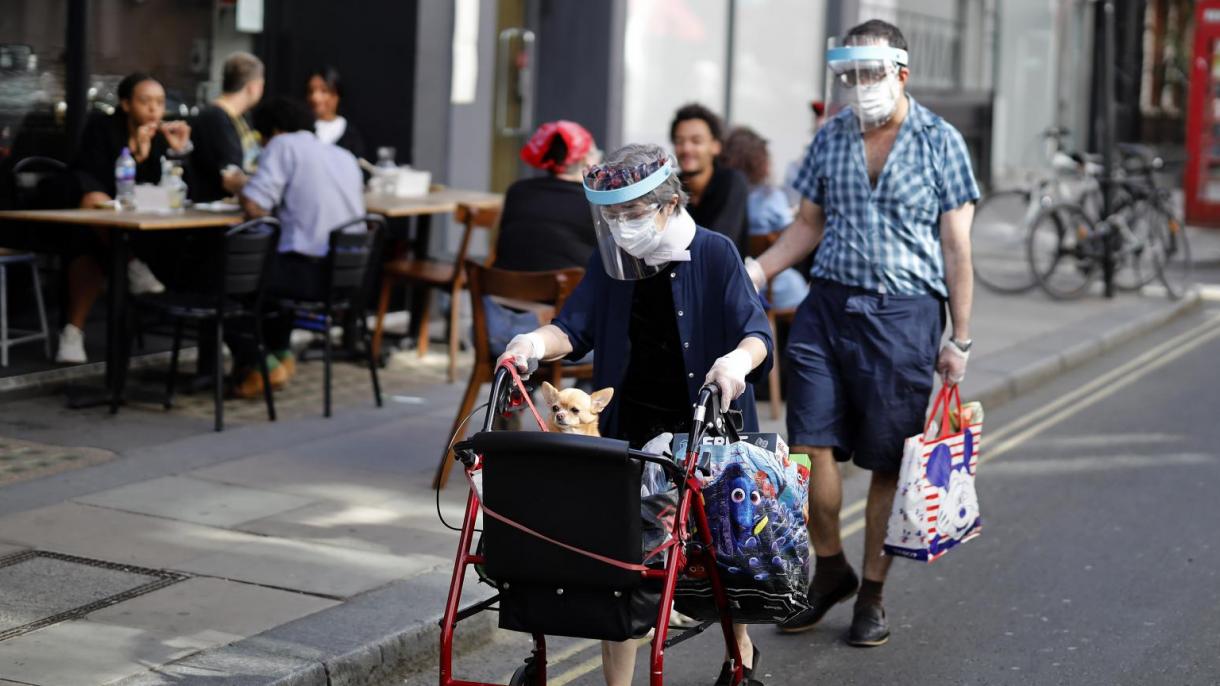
1016	371
370	639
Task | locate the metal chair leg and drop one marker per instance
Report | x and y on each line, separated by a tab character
262	368
218	390
172	380
42	310
326	353
3	316
368	352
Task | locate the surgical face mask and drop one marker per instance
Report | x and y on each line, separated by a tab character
637	236
876	102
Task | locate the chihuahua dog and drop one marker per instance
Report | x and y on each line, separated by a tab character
573	411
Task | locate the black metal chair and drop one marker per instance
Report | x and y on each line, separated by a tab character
346	288
241	263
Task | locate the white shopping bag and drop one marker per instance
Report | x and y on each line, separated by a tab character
936	507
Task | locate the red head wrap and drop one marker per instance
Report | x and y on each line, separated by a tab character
575	136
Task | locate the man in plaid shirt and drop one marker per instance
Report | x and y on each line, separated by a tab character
888	197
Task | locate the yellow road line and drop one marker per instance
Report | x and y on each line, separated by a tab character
576	672
561	655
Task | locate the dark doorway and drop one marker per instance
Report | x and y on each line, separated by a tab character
371	43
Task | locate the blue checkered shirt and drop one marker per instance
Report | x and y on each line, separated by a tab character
887	239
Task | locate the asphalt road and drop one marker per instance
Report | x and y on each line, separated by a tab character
1098	562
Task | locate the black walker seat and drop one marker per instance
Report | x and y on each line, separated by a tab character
580	490
562	537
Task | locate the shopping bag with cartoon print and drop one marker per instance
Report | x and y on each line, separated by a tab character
935	507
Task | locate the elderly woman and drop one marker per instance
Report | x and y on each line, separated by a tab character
666	306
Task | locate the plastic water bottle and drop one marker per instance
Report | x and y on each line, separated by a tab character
125	181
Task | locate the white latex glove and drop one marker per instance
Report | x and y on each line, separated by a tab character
521	349
757	276
729	373
952	363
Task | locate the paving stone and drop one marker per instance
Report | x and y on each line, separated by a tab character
309	567
316	479
201	613
81	652
40	587
115	536
195	500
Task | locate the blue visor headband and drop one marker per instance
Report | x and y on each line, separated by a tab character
629	193
860	53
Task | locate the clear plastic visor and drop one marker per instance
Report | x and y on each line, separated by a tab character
608	220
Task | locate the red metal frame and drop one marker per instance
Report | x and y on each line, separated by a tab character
704	553
1203	115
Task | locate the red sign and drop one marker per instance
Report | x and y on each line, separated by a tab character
1202	183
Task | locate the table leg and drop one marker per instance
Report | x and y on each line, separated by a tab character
419	250
116	331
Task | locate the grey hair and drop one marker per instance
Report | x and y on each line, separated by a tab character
635	154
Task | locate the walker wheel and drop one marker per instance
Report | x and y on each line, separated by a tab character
526	674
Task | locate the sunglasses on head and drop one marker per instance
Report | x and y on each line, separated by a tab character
610	177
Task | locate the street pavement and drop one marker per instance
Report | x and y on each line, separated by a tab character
308	551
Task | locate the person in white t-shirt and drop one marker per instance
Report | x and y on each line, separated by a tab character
323	91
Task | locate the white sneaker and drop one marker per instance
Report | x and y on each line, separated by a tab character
71	346
140	279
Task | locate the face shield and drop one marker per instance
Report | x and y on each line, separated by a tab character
865	78
626	210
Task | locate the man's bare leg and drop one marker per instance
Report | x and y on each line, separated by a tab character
834	581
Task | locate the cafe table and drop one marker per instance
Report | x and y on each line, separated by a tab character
439	200
121	225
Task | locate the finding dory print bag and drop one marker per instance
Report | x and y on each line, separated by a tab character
936	507
756	504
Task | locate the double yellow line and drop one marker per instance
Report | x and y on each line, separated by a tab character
998	442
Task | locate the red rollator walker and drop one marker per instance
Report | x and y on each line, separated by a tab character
562	537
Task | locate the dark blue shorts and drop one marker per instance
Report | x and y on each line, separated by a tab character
861	368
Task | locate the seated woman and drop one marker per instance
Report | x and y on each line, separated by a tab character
545	222
667	306
323	91
767	207
137	126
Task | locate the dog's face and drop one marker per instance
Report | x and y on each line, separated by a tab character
573	410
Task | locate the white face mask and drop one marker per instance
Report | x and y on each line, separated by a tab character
876	103
637	237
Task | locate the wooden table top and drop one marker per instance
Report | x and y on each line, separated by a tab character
131	221
442	201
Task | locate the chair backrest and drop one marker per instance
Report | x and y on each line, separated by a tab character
244	256
39	183
485	218
545	288
760	242
351	252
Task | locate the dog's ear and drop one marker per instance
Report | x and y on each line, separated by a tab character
550	394
600	400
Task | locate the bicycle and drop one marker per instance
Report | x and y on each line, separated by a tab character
1002	219
1067	248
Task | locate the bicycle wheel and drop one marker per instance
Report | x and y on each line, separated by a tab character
1000	229
1176	270
1064	251
1142	254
